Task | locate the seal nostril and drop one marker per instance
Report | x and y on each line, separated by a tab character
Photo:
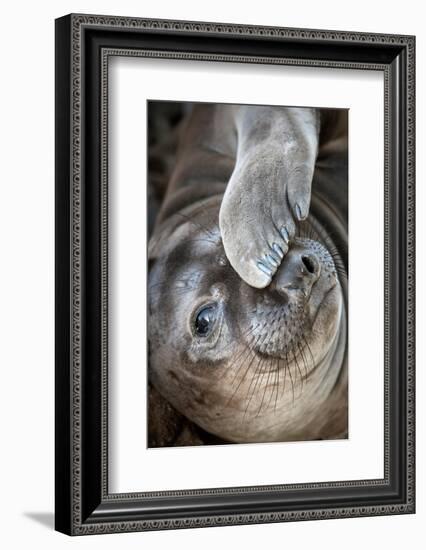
309	264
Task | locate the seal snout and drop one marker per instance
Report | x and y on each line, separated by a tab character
300	269
310	261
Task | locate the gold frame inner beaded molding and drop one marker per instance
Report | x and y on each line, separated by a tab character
84	45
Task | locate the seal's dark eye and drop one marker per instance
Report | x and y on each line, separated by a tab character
204	320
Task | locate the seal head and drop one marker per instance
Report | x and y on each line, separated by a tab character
247	364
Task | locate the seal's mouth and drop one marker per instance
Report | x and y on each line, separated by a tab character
286	313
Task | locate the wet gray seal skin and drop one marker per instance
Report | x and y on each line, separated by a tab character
248	298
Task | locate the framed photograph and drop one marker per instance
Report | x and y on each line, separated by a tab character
234	274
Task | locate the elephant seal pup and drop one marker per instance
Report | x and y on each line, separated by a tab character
249	354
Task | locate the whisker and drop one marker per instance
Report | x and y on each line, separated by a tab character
242	379
260	363
242	357
291	378
310	352
255	376
309	348
275	371
277	384
264	391
246	332
298	368
256	344
302	354
285	375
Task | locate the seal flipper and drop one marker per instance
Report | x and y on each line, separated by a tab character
269	190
